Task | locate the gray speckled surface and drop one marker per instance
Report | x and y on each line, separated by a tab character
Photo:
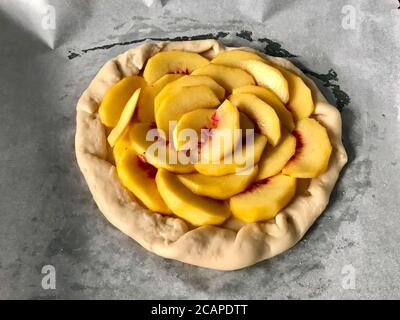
47	215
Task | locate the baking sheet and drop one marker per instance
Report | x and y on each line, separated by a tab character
49	52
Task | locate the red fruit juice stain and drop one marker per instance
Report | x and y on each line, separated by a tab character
180	71
146	167
256	185
299	144
153	125
215	119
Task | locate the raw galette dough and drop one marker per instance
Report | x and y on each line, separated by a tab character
233	245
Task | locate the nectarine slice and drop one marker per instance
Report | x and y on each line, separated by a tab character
183	100
121	146
138	177
274	159
195	121
246	123
116	98
269	77
313	150
300	98
145	107
188	81
220	188
224	133
260	112
195	209
157	151
271	98
228	77
176	61
126	117
263	200
234	58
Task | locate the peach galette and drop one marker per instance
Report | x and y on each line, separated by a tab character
219	157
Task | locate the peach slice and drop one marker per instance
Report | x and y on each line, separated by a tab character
126	117
195	120
223	134
264	199
121	146
167	158
176	61
220	188
300	101
275	158
184	100
197	210
223	168
262	113
234	58
313	150
228	77
139	178
246	123
145	107
116	98
269	77
271	98
188	81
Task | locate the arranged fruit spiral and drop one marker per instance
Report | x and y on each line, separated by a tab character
204	140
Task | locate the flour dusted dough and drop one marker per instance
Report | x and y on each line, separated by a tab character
232	246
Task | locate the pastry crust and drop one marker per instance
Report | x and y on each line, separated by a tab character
232	246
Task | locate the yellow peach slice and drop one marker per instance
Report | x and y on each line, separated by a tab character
228	77
246	123
253	151
234	58
249	156
313	150
264	199
139	178
223	135
262	113
121	146
274	159
195	120
271	98
145	107
197	210
116	98
181	62
188	81
220	188
215	169
269	77
126	117
157	152
184	100
300	101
